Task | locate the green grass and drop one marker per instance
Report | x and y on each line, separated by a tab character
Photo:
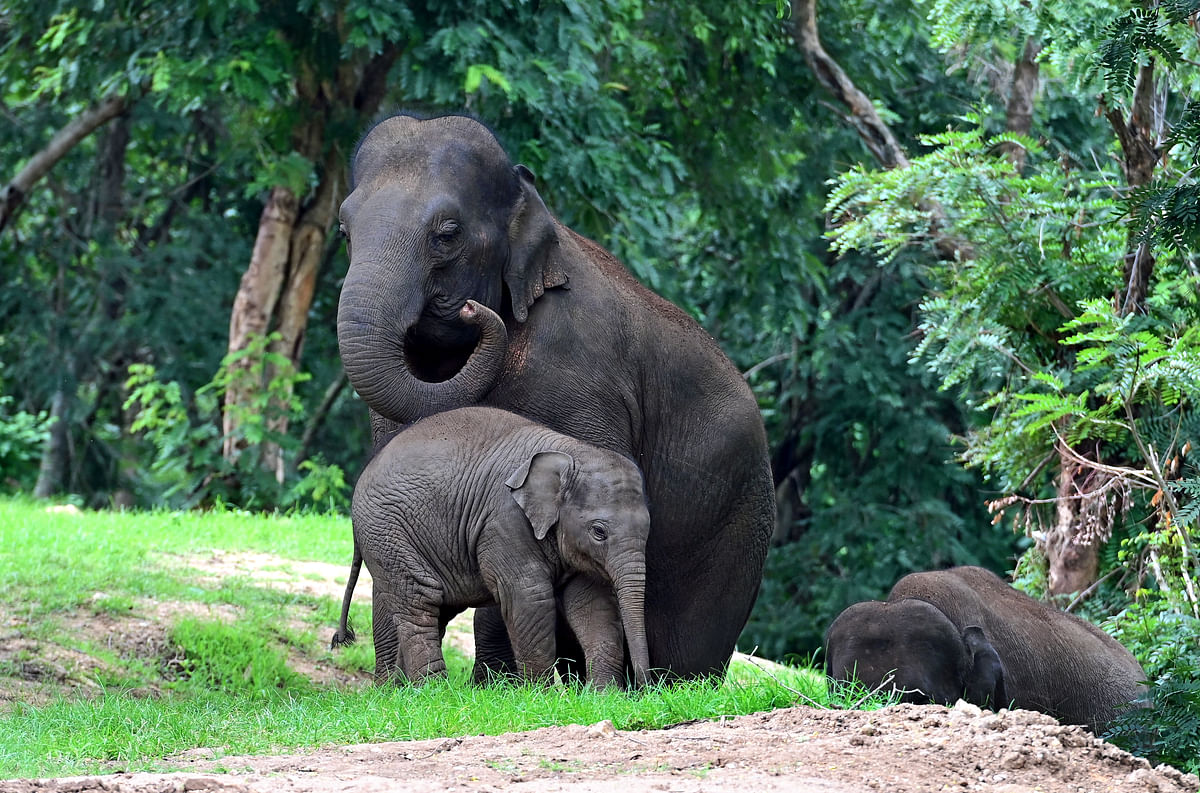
118	732
229	686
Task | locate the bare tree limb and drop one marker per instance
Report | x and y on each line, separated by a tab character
875	134
783	356
13	193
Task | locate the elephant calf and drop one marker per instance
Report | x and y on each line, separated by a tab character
479	506
965	633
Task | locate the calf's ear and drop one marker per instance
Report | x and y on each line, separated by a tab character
537	487
984	684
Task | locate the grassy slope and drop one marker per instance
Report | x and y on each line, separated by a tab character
236	693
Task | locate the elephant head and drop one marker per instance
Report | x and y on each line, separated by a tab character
929	658
437	215
597	505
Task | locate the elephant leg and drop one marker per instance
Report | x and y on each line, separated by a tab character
530	614
571	655
590	608
699	594
418	624
494	659
388	664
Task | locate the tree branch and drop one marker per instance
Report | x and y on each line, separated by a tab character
13	193
875	134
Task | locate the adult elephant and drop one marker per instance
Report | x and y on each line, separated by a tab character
439	215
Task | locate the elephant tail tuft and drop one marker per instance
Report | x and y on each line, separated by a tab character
342	637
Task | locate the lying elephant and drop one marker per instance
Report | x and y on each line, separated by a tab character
478	506
965	633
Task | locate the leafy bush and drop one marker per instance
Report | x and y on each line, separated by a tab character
22	436
188	466
1166	642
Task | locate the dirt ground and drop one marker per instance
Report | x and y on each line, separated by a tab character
802	750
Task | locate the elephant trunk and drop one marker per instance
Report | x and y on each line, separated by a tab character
630	587
378	366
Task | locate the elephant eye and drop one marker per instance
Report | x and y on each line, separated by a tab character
599	532
446	232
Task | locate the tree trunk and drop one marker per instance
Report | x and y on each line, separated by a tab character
307	251
101	208
1139	158
55	452
255	303
281	279
1085	507
1018	114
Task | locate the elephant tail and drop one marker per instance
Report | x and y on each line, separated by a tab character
345	633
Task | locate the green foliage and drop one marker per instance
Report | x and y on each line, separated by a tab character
321	484
1166	214
189	466
1125	40
1164	640
22	436
988	323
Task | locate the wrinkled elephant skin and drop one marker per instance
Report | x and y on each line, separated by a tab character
437	215
478	506
964	632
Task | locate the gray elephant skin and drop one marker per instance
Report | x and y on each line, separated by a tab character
438	215
479	506
966	633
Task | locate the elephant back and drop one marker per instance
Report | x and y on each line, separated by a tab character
1056	662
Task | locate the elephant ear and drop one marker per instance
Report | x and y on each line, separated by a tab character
984	684
532	239
537	487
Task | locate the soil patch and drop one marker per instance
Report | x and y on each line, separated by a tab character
799	750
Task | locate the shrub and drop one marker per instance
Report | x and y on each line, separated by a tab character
22	436
1165	642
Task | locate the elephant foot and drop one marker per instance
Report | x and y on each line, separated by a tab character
488	674
494	658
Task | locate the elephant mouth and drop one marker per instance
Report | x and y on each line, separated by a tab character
435	355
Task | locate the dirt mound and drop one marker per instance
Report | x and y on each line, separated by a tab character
799	750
